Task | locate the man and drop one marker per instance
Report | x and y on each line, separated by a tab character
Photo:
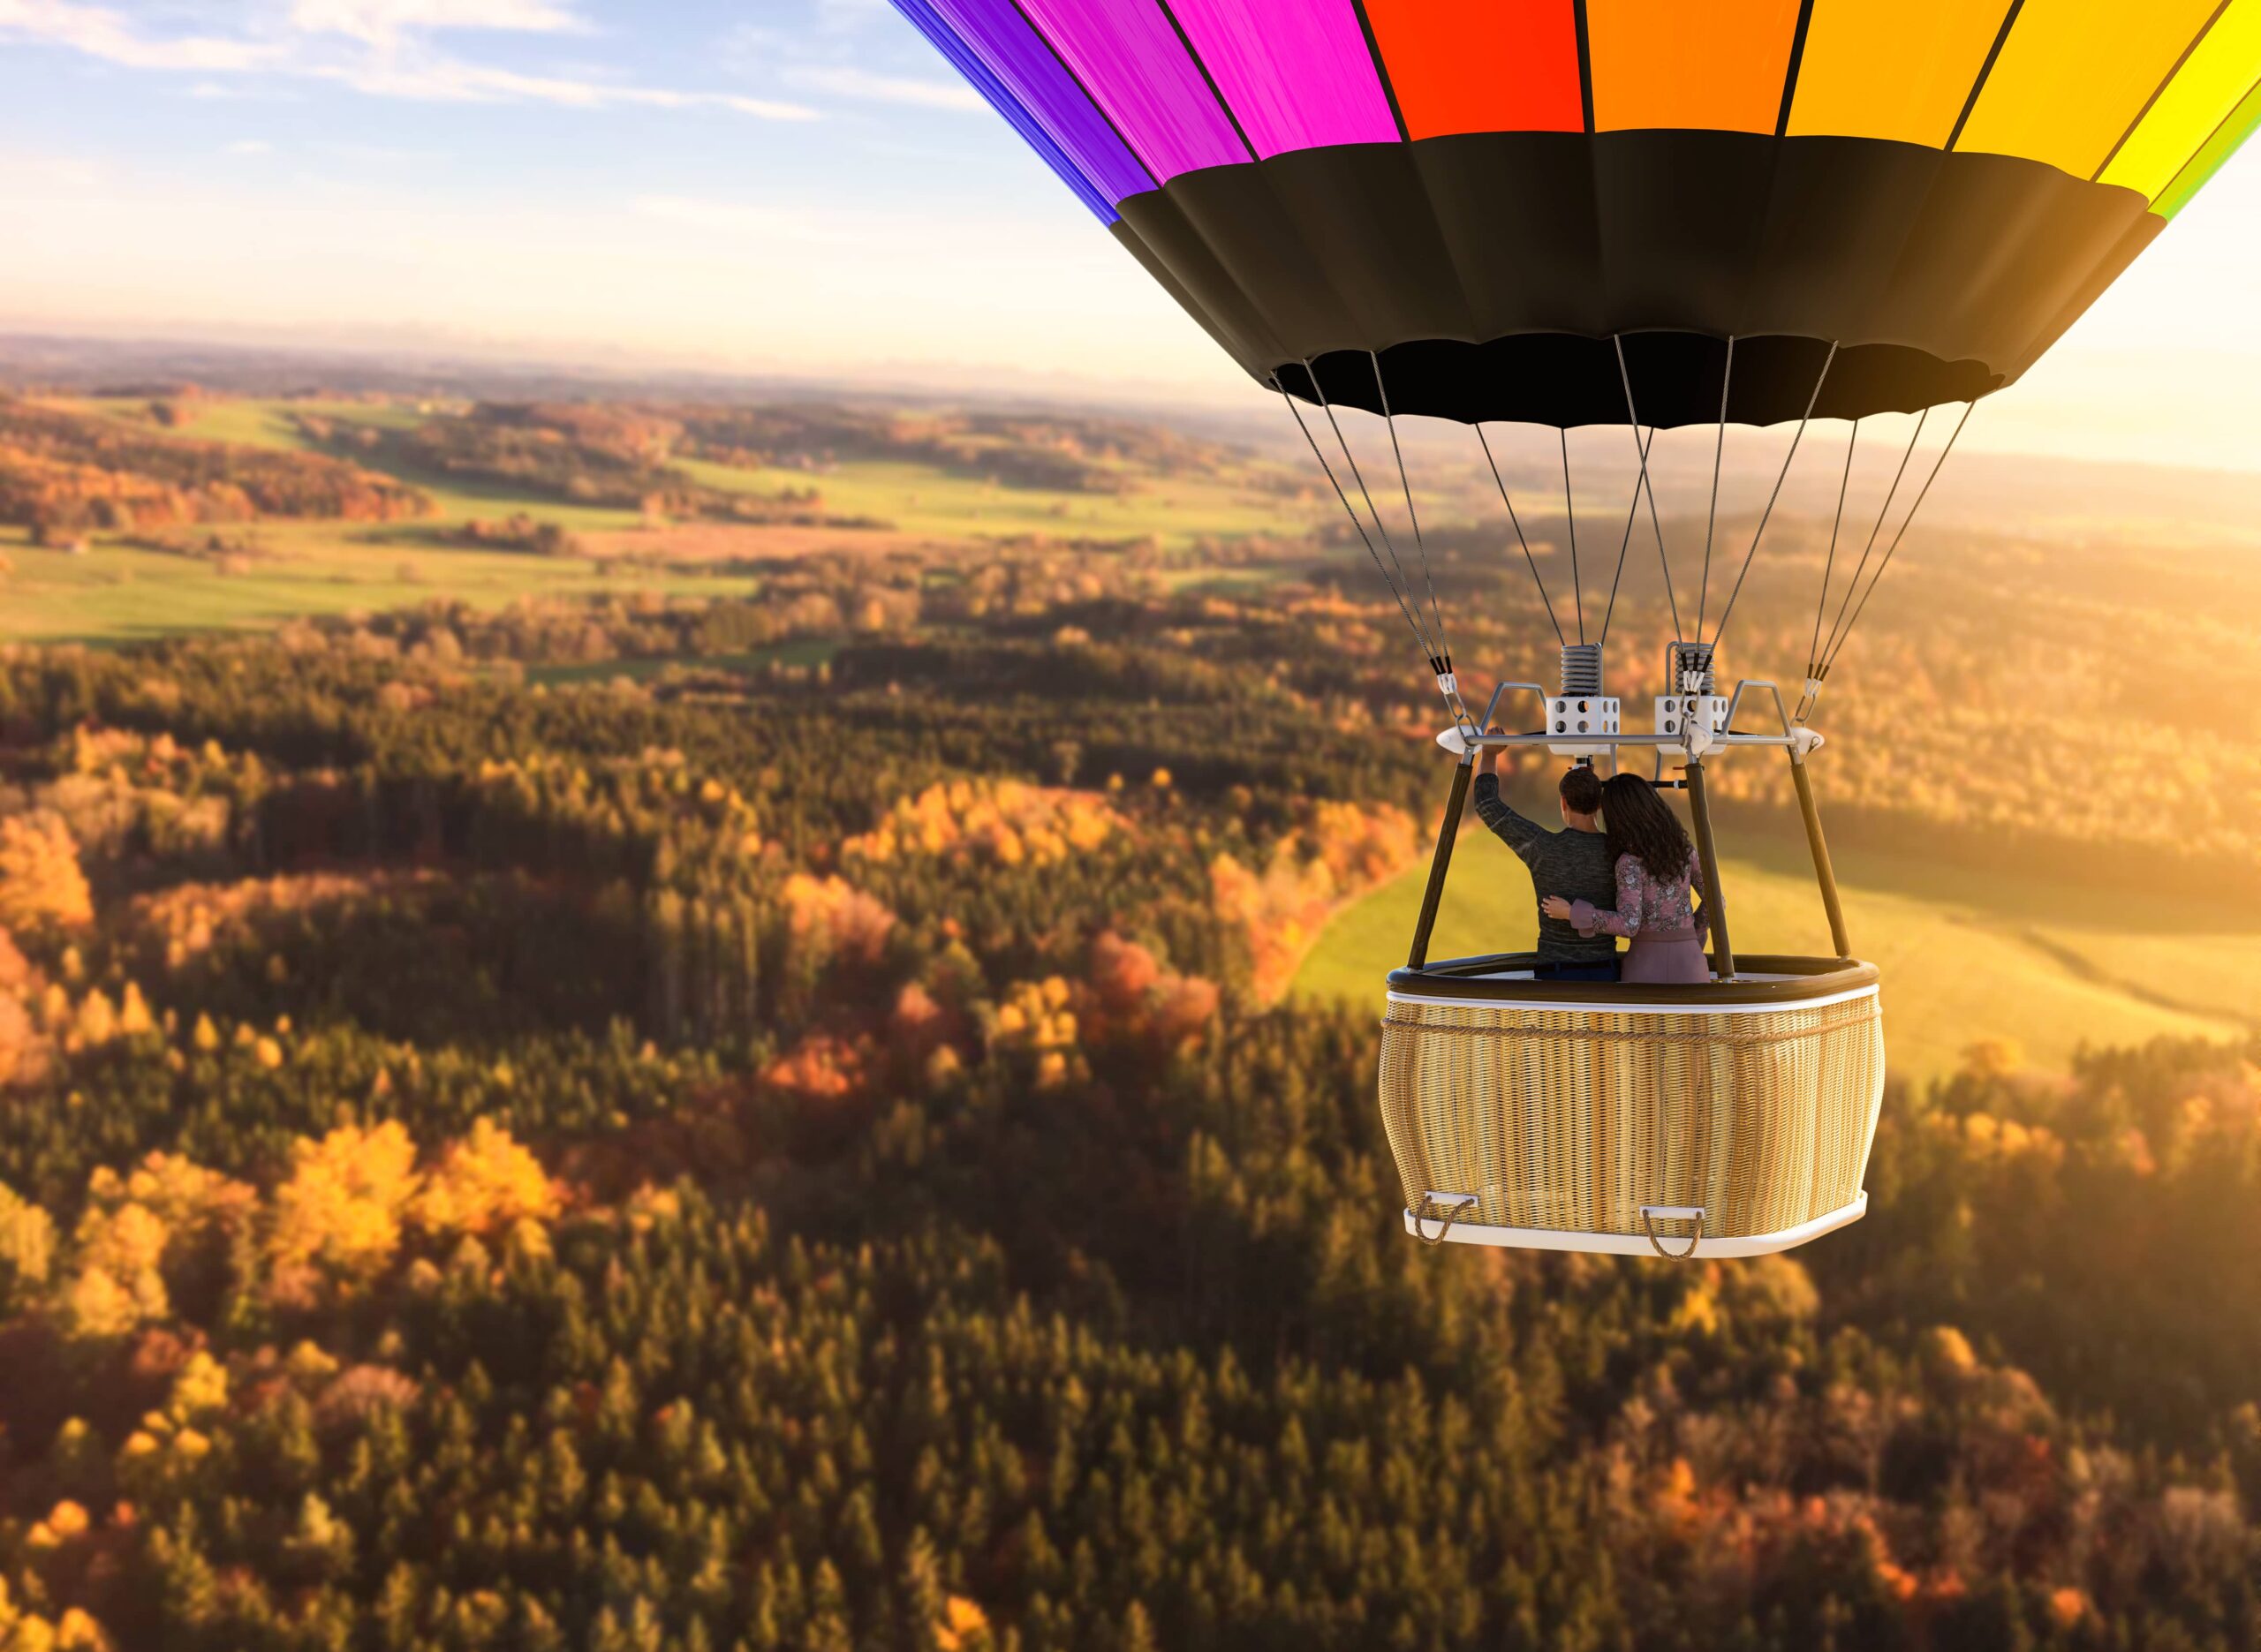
1575	862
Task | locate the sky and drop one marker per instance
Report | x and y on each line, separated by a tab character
798	186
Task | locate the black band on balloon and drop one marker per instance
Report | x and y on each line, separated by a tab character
1489	271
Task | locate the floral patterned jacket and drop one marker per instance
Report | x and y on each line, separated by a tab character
1645	904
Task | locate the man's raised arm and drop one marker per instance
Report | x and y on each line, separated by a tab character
1518	832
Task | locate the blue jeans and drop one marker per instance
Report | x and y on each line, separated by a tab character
1600	970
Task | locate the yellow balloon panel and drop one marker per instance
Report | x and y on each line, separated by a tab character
1897	69
2219	74
2192	179
2074	74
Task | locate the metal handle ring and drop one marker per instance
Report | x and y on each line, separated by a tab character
1673	1213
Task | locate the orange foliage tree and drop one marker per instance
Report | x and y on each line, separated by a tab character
41	884
1007	822
1346	848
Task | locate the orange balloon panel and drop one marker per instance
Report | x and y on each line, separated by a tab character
1481	65
1718	65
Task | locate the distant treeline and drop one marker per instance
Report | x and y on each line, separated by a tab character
598	455
64	473
1058	452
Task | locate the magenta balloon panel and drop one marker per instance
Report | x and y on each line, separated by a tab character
1297	74
1131	60
1132	92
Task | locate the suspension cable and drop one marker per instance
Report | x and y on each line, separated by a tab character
1877	527
1829	567
1428	643
1632	515
1641	485
1657	528
1719	451
1570	509
1780	476
1901	534
1517	522
1436	618
1420	637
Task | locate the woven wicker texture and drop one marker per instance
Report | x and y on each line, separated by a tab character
1573	1120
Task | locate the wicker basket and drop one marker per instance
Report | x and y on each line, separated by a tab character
1730	1119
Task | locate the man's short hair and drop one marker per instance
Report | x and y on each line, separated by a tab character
1581	790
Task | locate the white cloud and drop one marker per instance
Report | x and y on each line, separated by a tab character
251	145
379	21
767	109
847	80
389	56
102	32
430	78
241	92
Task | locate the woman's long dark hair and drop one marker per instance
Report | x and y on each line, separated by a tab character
1637	822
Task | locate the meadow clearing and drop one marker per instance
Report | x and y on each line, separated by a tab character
1965	960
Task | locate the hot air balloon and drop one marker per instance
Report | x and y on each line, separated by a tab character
1648	213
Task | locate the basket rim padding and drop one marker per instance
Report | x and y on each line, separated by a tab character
1479	979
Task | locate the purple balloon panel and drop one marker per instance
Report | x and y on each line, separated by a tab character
1000	97
995	32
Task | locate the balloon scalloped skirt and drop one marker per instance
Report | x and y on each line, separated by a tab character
1729	1119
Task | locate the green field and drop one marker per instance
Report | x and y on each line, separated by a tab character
116	593
255	423
1956	970
922	500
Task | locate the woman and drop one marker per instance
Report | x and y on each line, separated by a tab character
1656	878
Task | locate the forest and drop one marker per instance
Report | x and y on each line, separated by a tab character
658	1023
1071	454
797	1152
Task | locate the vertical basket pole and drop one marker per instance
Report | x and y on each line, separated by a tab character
1707	856
1448	831
1824	873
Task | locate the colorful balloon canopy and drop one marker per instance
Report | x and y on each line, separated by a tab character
1464	204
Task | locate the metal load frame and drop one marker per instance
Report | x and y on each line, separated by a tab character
1466	737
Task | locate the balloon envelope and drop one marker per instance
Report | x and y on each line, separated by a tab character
1467	203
